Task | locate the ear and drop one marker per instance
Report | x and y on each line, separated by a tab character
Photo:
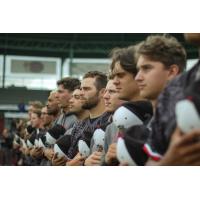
173	71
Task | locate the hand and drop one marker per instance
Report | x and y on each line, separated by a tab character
94	159
49	153
16	146
22	149
111	155
20	162
78	160
27	151
36	152
184	149
58	161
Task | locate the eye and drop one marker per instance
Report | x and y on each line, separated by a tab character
125	118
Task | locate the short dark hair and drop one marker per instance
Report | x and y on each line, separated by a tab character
165	49
100	79
126	57
69	83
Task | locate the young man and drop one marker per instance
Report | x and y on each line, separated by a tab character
65	88
60	99
123	69
168	145
112	102
46	118
33	105
53	108
93	88
75	106
37	123
160	59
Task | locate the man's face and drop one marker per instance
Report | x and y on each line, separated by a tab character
89	93
46	119
76	102
35	120
63	96
151	77
124	82
111	97
30	110
53	102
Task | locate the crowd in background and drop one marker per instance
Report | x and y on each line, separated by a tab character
127	116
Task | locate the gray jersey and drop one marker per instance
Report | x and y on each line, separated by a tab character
67	120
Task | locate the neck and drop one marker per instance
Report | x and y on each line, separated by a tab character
40	126
56	115
98	110
136	97
82	115
154	104
65	109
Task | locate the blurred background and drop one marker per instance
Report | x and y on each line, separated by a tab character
30	64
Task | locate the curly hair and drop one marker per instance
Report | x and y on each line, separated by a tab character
126	57
165	49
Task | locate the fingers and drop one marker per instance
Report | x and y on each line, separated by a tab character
58	161
176	135
112	149
179	139
96	162
193	148
94	159
74	163
55	156
97	155
190	137
193	160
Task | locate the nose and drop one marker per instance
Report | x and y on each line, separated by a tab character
138	77
106	95
116	81
81	94
71	100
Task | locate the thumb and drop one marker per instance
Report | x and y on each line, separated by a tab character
176	135
55	155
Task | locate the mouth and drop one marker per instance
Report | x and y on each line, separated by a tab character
70	106
107	104
141	87
118	89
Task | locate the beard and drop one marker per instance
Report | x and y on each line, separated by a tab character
53	110
90	103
